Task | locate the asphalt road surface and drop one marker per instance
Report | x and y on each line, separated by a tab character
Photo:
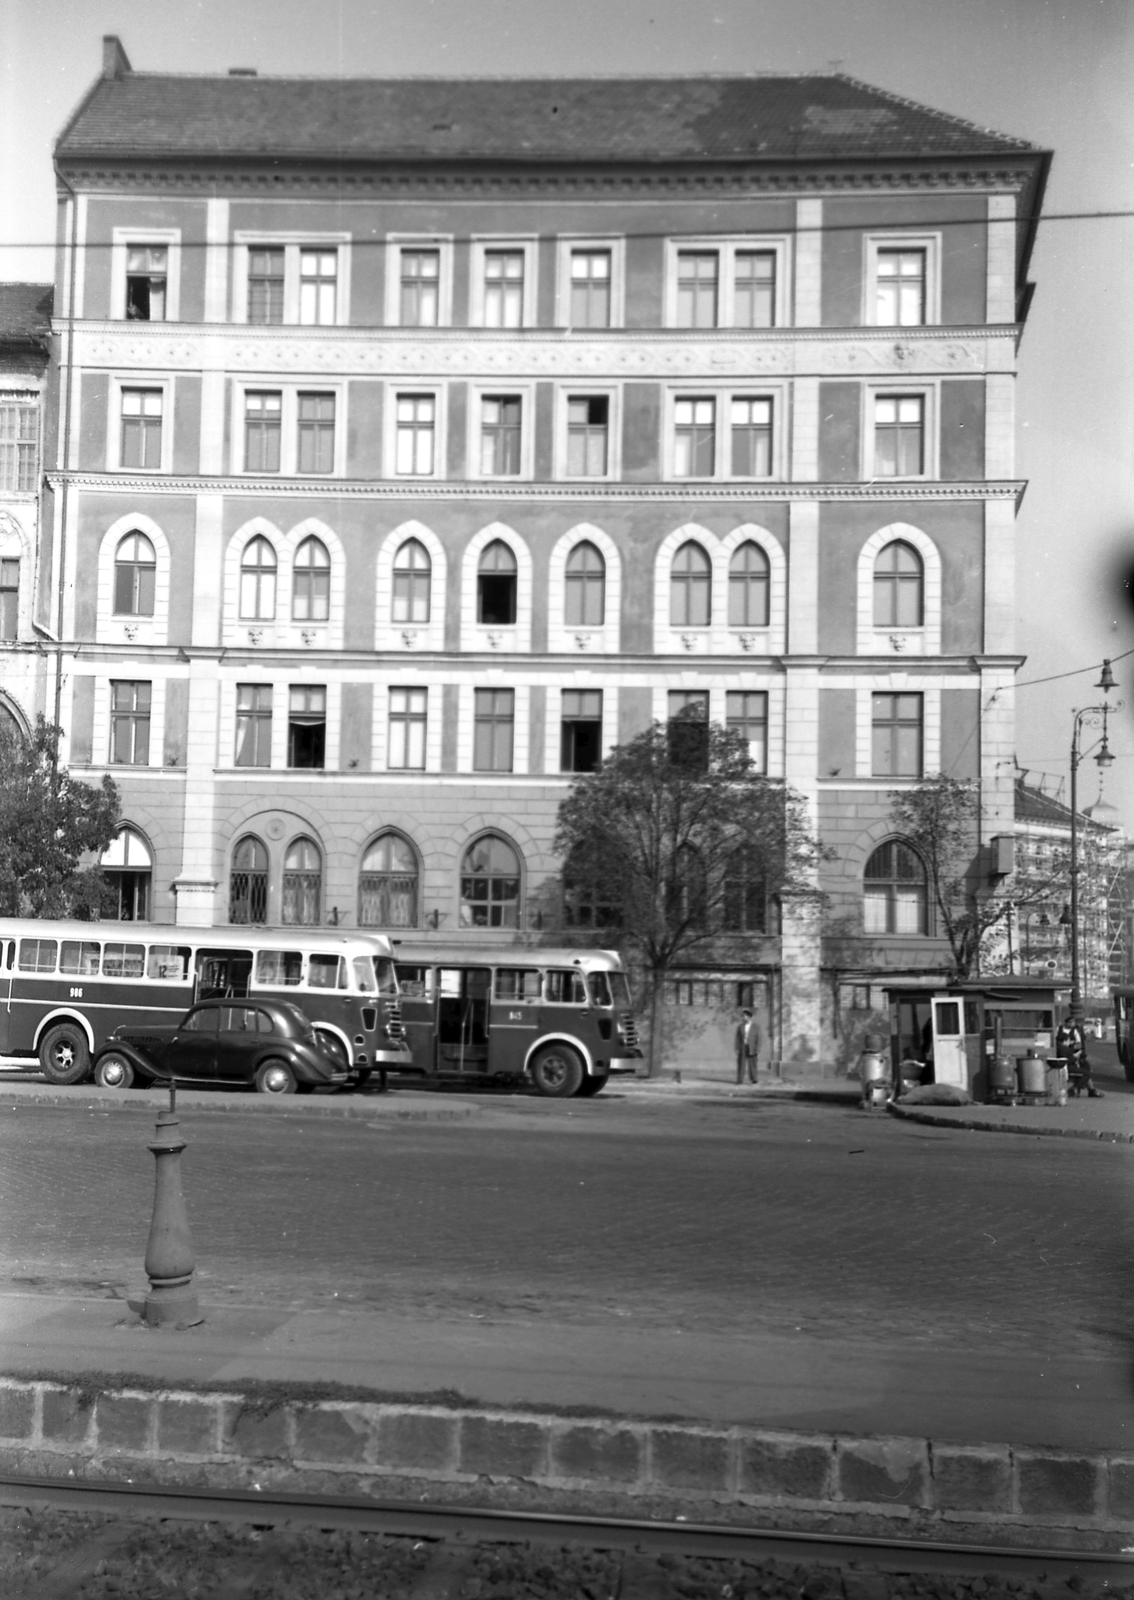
751	1216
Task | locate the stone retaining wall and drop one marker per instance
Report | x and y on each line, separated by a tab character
226	1439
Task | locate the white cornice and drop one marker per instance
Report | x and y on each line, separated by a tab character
496	490
477	353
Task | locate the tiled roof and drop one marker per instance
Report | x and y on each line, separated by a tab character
772	118
1032	805
25	311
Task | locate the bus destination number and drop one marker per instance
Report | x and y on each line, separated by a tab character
76	994
515	1016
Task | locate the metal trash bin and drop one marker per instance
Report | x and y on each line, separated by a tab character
1031	1075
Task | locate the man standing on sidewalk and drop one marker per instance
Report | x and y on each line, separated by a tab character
747	1047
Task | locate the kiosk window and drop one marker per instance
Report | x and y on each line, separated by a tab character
947	1020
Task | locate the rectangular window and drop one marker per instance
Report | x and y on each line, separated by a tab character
500	418
503	288
516	985
580	738
416	420
19	436
147	272
694	438
306	726
746	713
262	411
253	725
590	288
494	724
141	428
9	596
318	282
896	735
38	955
420	286
588	427
406	744
81	958
751	437
130	724
901	288
899	435
698	273
688	730
316	433
754	289
266	284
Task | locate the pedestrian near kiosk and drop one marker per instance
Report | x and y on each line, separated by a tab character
1072	1047
747	1047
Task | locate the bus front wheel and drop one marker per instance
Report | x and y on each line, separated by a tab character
558	1072
63	1054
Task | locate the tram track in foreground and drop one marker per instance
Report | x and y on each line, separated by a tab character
642	1559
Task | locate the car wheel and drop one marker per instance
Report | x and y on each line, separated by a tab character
63	1054
557	1072
274	1077
113	1071
593	1085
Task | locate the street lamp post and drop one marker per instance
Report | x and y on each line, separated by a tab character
1090	715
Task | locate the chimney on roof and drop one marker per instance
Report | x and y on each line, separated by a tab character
242	72
115	63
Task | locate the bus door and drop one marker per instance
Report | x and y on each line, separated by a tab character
950	1055
223	974
462	1018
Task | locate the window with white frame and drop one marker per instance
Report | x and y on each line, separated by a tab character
147	274
258	568
311	582
591	283
723	435
899	435
496	586
263	415
307	726
130	708
895	898
19	442
690	587
266	284
135	576
588	436
897	723
694	436
419	284
248	882
302	887
698	285
287	430
748	587
493	729
9	596
415	433
405	747
253	725
746	714
501	435
899	586
901	280
585	587
580	730
490	884
750	436
318	287
503	288
388	884
729	283
754	289
141	434
315	423
413	576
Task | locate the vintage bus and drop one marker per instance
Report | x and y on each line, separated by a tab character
563	1018
1124	1029
65	986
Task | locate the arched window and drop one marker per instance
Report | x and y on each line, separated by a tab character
490	885
496	586
388	884
412	574
128	867
690	587
258	580
899	587
586	587
311	584
748	587
135	573
302	883
894	890
248	882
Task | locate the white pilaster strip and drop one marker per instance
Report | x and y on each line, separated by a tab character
999	577
208	570
803	579
808	263
1001	291
1000	425
805	430
216	261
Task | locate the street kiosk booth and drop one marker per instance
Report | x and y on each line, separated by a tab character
955	1031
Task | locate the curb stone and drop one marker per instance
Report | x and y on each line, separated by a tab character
387	1448
975	1125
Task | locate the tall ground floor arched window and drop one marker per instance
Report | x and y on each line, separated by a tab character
128	867
490	884
302	884
248	882
388	884
894	890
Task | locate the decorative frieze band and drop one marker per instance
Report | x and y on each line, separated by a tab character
478	353
496	490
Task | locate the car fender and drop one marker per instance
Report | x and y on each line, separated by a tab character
338	1033
136	1057
562	1038
64	1015
304	1071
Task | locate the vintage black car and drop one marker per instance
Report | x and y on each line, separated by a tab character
269	1044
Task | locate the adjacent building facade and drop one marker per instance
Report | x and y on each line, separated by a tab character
421	440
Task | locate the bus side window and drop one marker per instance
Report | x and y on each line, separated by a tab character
79	957
10	953
324	972
565	987
517	984
415	982
38	955
600	989
123	961
363	969
168	961
280	969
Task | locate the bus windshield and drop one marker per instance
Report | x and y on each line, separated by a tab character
608	989
385	976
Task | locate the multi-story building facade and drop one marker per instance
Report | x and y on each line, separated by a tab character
25	353
428	438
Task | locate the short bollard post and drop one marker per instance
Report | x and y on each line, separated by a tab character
169	1253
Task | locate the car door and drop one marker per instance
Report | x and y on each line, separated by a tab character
193	1050
237	1042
